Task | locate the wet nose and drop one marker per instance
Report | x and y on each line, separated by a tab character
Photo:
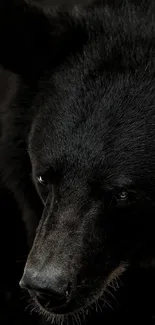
52	290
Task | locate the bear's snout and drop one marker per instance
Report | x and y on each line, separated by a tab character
52	288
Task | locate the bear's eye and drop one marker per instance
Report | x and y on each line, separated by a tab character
122	196
43	187
41	180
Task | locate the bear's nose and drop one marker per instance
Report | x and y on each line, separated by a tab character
52	290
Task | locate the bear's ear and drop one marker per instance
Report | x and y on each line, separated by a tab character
32	36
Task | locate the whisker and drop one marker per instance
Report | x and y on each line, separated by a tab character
111	294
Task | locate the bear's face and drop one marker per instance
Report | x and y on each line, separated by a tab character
89	155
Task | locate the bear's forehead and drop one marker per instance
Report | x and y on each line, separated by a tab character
92	119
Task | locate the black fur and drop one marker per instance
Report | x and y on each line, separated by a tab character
84	120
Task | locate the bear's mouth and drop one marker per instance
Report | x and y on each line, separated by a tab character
74	309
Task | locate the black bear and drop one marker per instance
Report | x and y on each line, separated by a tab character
77	145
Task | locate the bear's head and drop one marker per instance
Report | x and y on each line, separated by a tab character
92	152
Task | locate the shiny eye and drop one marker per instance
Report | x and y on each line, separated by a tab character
122	196
42	181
